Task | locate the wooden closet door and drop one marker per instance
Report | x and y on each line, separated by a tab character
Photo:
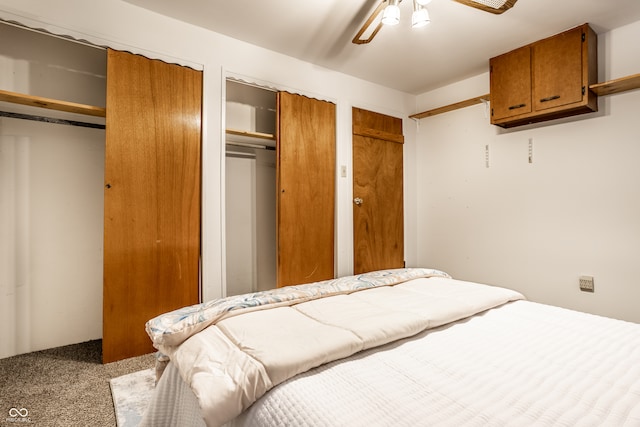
151	199
378	211
306	156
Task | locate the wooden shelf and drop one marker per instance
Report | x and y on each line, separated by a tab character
617	85
606	88
52	104
251	139
451	107
249	134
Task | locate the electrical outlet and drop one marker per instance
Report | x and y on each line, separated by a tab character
586	283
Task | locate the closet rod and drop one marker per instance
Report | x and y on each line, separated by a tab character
239	155
51	120
250	145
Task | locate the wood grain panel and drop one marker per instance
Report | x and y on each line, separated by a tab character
152	197
511	84
557	70
616	85
378	134
362	118
306	189
378	223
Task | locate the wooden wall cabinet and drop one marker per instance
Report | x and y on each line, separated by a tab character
545	80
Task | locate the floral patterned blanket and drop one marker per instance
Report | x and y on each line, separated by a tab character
173	328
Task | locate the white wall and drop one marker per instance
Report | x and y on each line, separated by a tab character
123	26
537	227
240	236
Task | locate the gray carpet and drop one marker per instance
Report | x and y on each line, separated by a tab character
64	386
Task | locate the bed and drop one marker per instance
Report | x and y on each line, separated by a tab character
401	347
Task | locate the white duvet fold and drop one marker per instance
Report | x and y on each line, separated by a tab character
233	361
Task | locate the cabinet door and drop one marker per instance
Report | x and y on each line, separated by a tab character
151	198
306	189
511	84
558	70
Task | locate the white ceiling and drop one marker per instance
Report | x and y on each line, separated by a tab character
457	44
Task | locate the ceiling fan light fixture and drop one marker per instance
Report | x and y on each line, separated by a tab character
391	14
420	17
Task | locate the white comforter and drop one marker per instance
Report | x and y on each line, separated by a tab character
521	364
230	358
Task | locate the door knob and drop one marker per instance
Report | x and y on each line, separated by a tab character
358	201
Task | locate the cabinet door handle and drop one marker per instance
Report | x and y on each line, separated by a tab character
513	107
551	98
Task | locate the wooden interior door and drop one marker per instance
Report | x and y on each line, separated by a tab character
151	198
378	213
306	147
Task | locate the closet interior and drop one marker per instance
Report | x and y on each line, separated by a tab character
99	213
280	188
250	177
52	151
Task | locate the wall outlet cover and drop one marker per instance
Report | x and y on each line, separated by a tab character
586	283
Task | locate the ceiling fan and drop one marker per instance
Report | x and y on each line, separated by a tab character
391	14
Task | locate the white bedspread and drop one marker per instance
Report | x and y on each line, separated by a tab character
235	360
522	364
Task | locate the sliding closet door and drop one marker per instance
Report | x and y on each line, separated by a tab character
152	197
306	189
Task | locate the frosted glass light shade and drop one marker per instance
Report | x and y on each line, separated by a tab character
420	18
391	14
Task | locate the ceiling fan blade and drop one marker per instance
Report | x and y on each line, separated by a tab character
358	37
493	6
